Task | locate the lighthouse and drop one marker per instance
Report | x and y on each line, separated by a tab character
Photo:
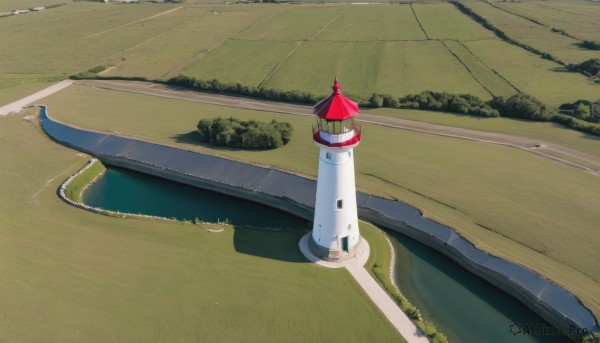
335	235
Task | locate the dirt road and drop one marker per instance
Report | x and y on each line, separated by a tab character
556	152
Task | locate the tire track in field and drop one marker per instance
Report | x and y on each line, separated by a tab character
298	44
128	24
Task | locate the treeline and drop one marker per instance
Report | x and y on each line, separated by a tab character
239	89
591	45
590	67
249	134
434	101
520	105
581	109
502	35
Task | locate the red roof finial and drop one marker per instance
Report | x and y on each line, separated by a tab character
336	86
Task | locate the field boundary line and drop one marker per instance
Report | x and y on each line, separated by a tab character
490	68
276	68
418	21
126	24
318	33
535	21
467	68
200	53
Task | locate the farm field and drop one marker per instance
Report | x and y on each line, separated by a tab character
412	67
81	276
363	23
515	200
532	74
444	21
538	36
578	18
395	49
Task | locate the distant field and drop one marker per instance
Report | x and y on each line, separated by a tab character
507	201
578	18
538	36
534	75
355	63
413	67
293	23
395	49
250	67
364	23
69	275
488	78
444	21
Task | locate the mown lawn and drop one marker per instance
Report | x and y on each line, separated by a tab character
509	202
71	275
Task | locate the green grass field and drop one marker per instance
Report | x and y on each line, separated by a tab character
364	23
395	49
444	21
575	17
536	76
414	67
487	77
507	201
250	68
71	275
535	35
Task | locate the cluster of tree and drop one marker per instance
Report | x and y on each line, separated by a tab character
239	89
435	101
249	134
590	67
580	109
502	35
519	105
591	45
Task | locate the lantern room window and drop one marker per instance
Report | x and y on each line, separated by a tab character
335	127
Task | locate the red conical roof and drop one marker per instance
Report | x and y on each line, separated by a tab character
336	106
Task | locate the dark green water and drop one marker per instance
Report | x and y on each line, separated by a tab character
126	191
465	307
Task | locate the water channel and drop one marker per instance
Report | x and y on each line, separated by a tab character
465	307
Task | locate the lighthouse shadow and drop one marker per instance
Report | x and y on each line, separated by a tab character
279	245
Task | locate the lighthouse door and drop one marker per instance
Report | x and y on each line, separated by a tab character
345	243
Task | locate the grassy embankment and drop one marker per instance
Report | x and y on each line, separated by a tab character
72	275
506	201
78	184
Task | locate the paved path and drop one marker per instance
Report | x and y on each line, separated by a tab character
16	106
556	152
376	293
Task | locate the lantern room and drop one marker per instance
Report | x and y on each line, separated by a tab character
336	125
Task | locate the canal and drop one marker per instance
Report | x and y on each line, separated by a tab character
463	306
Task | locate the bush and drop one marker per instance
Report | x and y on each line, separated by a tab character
250	134
591	45
590	67
521	105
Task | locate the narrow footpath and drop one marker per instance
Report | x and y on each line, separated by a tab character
16	106
376	293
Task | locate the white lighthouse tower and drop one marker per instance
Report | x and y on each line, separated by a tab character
335	234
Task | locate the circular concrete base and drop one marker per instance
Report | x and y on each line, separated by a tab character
360	257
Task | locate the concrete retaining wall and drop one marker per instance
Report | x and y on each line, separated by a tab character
296	195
